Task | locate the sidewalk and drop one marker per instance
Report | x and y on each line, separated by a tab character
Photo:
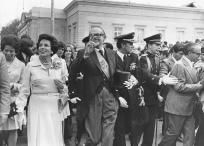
22	141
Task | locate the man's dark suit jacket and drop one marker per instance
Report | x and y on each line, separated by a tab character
94	79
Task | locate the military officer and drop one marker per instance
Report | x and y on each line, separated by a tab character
125	60
150	63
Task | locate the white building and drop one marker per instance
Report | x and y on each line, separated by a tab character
174	23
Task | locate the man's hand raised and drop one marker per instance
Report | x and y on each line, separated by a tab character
89	48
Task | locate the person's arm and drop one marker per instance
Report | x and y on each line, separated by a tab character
182	86
21	99
5	100
17	85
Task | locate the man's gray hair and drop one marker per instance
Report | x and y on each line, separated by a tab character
189	47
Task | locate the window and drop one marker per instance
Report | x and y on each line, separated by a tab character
94	24
74	33
199	33
180	34
139	34
69	33
118	30
162	31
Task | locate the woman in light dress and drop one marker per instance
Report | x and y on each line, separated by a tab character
44	82
16	68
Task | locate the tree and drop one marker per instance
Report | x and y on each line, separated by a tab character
10	28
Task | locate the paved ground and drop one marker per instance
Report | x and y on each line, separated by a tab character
22	141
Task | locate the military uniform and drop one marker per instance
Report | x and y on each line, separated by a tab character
134	116
123	62
150	63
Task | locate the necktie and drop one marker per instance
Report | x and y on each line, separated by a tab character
125	60
101	52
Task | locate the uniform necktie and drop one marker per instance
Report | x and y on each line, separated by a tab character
124	58
101	52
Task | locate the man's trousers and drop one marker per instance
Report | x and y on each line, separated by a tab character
101	119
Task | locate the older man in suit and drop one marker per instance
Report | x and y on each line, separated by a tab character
180	99
4	97
98	65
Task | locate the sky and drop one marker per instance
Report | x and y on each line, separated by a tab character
12	9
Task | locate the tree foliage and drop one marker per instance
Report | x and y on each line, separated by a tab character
10	28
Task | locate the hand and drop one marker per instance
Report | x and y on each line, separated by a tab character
131	82
123	102
59	84
132	66
75	100
169	80
80	77
89	48
160	98
64	98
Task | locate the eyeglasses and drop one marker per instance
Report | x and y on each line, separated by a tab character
96	35
197	53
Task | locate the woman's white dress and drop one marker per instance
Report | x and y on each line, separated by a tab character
44	121
15	72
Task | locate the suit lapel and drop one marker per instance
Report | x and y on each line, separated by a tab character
95	60
110	60
191	71
120	64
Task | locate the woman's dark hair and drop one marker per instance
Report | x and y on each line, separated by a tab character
10	40
61	45
52	39
25	43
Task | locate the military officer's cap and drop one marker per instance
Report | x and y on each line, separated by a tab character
126	37
85	39
156	39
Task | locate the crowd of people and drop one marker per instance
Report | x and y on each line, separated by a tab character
115	91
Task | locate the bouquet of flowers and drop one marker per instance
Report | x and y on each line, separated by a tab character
57	75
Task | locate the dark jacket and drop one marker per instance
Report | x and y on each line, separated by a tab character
149	63
93	77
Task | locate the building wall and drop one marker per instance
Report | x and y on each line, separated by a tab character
39	22
73	23
177	24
